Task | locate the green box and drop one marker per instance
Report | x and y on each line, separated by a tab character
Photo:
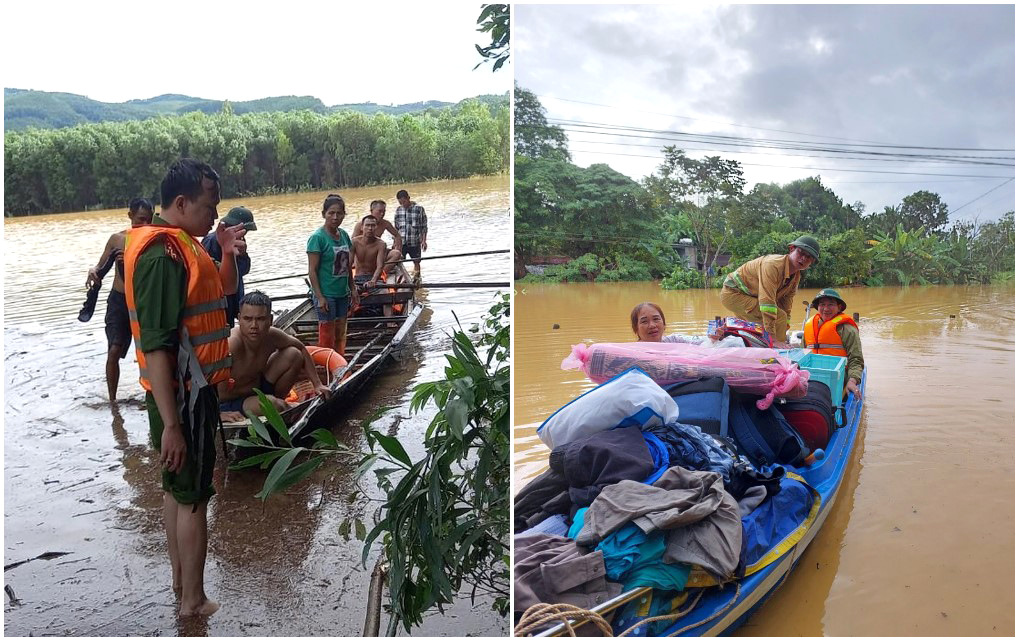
830	370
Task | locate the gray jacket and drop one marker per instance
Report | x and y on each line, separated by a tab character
702	520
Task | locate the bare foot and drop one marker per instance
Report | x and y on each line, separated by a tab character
204	609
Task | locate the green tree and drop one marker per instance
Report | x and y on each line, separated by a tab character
923	208
534	137
495	19
704	191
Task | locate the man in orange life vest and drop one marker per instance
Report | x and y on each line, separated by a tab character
176	301
833	333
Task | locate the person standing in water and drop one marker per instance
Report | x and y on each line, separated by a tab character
117	321
176	299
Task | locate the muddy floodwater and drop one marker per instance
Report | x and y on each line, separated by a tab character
80	476
921	539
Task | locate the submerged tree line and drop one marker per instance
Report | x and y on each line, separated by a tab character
107	164
609	227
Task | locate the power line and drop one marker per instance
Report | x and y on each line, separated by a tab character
853	170
983	195
901	159
727	140
775	130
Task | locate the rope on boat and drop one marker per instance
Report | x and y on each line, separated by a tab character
540	614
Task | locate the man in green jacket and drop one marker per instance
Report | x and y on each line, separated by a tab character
762	290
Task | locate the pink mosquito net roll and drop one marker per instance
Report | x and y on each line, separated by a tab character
753	370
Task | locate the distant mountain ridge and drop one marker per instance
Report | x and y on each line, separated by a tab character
24	108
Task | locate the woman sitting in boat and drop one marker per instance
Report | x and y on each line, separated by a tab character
832	333
648	323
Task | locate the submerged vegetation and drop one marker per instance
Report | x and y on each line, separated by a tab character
599	225
444	520
107	164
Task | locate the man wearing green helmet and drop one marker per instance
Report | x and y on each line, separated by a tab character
762	290
832	333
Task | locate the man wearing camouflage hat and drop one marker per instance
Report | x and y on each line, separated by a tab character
832	333
762	290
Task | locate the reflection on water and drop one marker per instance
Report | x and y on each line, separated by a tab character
920	540
80	476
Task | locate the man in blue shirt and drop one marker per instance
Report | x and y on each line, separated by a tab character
237	216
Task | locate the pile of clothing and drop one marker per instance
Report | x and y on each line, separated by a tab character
652	502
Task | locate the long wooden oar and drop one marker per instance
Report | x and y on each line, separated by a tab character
414	286
448	256
437	256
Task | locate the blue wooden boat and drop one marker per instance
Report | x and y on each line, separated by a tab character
715	610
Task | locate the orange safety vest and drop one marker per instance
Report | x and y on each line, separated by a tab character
824	338
204	311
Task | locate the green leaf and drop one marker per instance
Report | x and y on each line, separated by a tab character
274	418
361	531
243	442
393	447
258	459
298	473
277	471
457	414
326	438
259	428
344	528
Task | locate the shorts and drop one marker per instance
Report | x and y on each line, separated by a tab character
185	485
360	279
236	404
414	252
117	322
338	308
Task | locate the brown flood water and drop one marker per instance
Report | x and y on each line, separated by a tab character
80	476
920	540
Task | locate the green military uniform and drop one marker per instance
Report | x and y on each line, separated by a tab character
160	291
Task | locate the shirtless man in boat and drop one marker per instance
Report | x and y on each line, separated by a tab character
377	210
264	357
117	320
368	253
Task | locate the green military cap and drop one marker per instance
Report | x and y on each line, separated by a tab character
809	245
829	293
240	216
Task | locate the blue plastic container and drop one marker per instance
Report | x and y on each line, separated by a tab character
830	370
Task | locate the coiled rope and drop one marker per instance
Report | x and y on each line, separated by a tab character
541	614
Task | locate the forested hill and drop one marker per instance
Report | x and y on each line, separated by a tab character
42	109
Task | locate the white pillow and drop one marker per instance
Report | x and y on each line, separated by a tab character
631	398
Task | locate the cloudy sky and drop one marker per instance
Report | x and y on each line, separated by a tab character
339	52
785	85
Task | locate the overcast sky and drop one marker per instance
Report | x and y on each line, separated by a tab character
340	52
938	76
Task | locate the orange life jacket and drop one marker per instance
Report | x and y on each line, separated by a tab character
824	338
204	311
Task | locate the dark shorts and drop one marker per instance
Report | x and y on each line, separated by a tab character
236	404
414	252
338	308
360	279
117	322
192	483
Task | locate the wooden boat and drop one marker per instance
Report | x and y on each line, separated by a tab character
715	611
371	342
